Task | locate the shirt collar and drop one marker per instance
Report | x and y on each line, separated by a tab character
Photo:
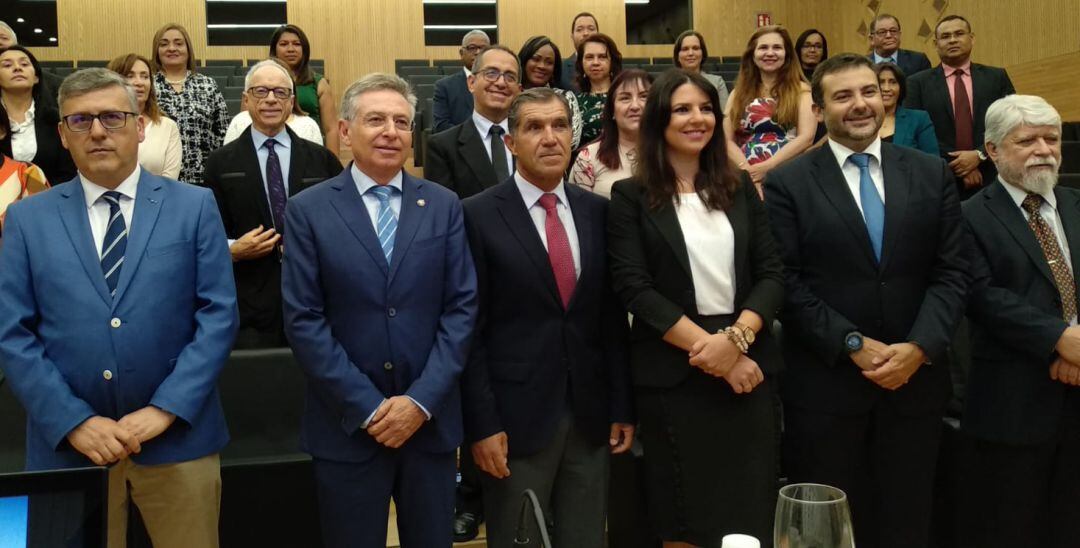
1018	194
93	192
483	125
950	70
27	122
842	152
364	183
880	58
467	71
532	193
259	138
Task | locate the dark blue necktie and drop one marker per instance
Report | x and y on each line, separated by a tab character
872	205
275	186
115	243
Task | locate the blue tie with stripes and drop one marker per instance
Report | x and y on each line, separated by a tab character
872	206
115	243
387	222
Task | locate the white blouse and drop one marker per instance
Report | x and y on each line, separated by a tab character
161	152
304	126
24	137
710	243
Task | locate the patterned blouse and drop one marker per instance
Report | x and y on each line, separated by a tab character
200	111
758	135
592	110
17	181
591	174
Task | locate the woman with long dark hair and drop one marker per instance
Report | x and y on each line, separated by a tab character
313	94
31	117
613	156
541	66
598	61
693	260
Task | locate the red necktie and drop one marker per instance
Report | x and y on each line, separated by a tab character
965	135
559	253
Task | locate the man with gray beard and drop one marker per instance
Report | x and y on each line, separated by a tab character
1023	404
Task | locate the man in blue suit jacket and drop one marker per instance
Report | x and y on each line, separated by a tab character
885	46
113	338
380	301
453	102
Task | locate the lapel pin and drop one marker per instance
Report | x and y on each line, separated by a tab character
153	201
421	202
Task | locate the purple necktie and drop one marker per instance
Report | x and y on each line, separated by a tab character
275	187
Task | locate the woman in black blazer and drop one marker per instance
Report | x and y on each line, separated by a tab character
21	87
693	260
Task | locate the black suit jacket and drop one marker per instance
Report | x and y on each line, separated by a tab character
457	159
569	73
909	61
453	103
651	272
929	91
51	156
835	285
1016	319
233	173
532	360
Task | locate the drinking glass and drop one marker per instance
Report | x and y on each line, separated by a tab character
811	515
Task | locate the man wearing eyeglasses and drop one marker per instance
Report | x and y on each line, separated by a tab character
252	178
453	103
885	46
472	155
117	319
379	293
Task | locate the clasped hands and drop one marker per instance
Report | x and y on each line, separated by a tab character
395	421
889	366
105	441
965	164
719	357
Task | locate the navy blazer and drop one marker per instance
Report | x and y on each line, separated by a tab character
914	129
71	351
363	330
457	159
453	103
569	73
533	360
910	62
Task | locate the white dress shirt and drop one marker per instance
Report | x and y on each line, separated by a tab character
24	137
851	171
97	209
710	244
483	125
531	195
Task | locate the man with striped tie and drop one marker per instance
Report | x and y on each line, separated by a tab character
116	321
380	301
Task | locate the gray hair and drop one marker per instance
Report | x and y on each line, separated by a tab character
5	26
1013	111
534	95
376	81
89	80
478	62
267	63
473	34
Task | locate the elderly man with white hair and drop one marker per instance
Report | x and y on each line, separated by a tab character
1023	400
453	102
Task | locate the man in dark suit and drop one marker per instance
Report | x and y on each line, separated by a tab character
472	156
583	26
874	280
252	178
1023	402
546	389
453	104
885	46
956	94
380	302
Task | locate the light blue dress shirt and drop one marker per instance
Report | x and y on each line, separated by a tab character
284	153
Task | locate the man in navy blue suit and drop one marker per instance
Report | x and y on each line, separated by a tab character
583	26
379	294
119	312
453	102
885	46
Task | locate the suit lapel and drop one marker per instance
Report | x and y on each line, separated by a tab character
739	217
938	78
1002	206
828	175
1069	212
410	217
666	221
350	206
583	226
77	223
148	200
472	146
297	165
250	165
897	191
511	207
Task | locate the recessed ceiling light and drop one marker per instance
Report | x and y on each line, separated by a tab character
52	38
20	20
38	31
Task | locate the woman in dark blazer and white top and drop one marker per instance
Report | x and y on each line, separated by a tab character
694	261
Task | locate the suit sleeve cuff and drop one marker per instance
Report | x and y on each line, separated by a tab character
367	421
421	406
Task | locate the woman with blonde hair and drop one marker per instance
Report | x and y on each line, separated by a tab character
160	152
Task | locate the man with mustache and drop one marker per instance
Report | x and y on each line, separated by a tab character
874	277
1023	400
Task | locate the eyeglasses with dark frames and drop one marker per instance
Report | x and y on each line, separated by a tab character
262	92
82	122
492	75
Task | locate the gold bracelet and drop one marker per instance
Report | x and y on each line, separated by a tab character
736	338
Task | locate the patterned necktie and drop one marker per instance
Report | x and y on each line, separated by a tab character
559	253
386	222
115	243
872	206
498	153
275	186
965	135
1063	277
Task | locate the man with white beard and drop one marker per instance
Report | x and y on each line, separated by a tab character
1023	400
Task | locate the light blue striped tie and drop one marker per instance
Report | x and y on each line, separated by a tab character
115	243
387	222
872	206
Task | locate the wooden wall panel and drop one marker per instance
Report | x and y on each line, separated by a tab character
1053	78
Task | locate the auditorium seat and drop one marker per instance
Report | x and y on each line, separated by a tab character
233	105
93	63
233	92
449	70
1070	131
400	63
456	63
636	61
47	64
731	59
1070	157
405	72
423	79
221	81
63	71
216	70
224	62
424	91
237	80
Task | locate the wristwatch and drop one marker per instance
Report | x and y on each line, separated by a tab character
853	342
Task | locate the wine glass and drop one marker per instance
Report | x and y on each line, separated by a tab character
811	515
